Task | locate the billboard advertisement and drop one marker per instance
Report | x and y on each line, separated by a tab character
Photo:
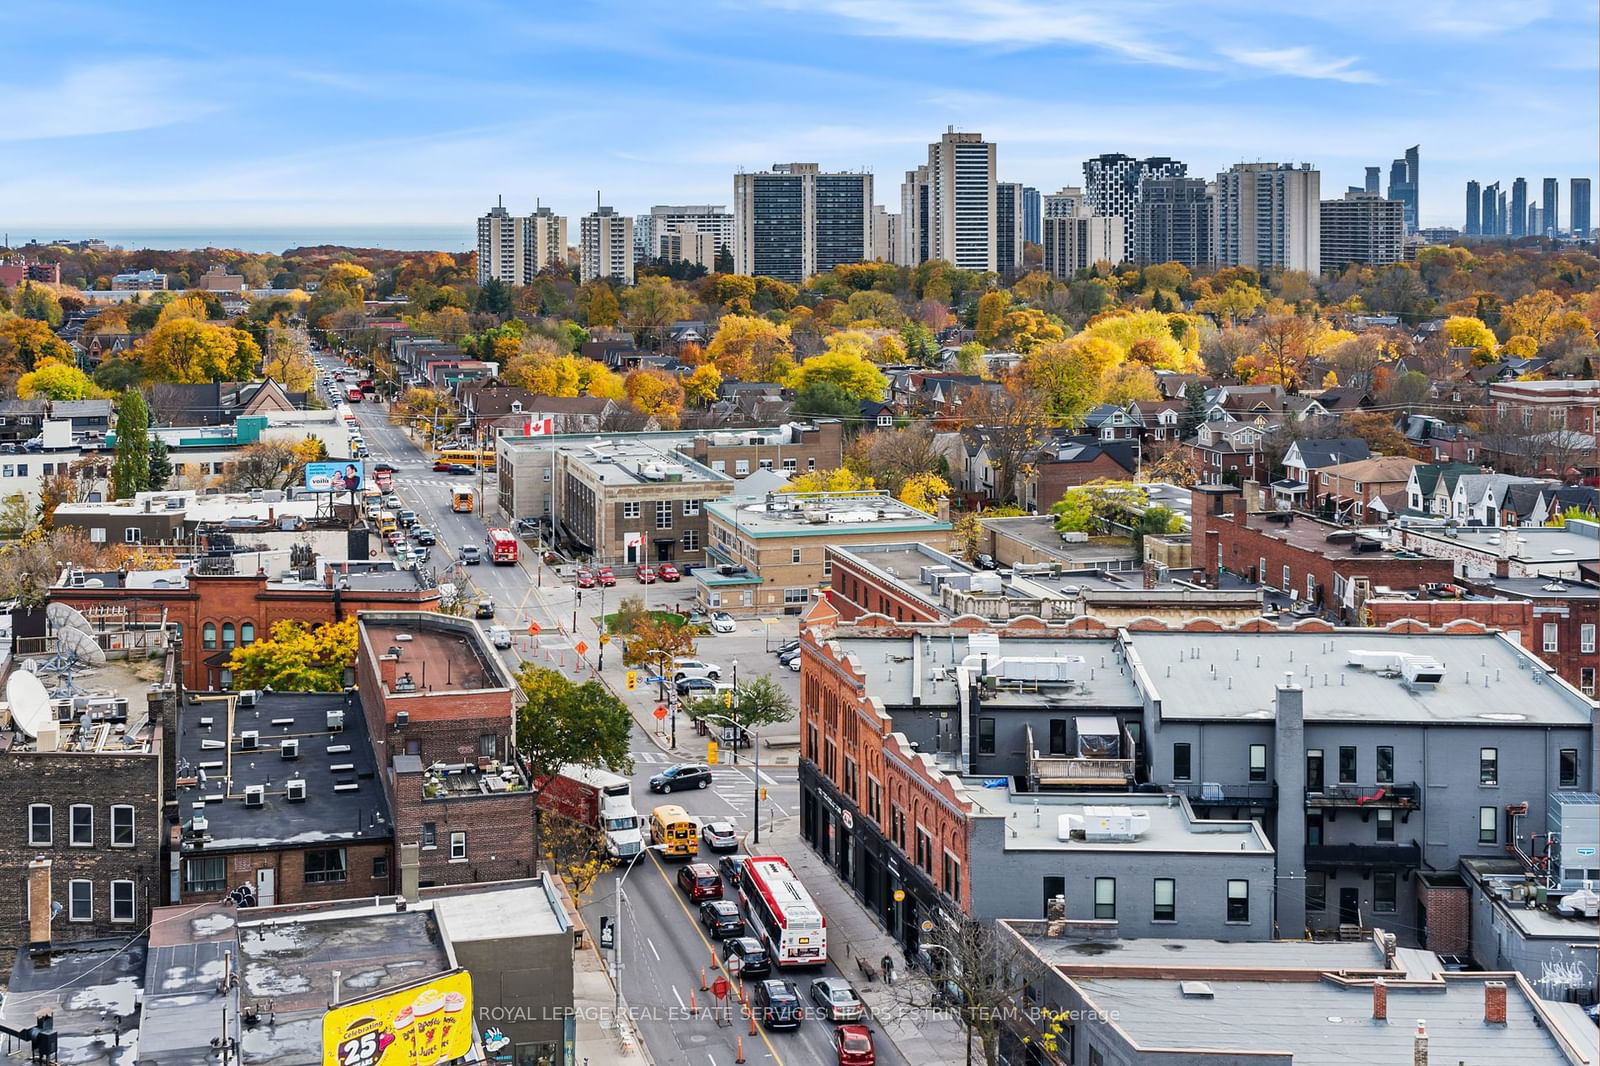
425	1022
337	475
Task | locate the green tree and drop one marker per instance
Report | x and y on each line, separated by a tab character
919	343
651	306
1194	410
494	297
297	658
38	303
824	399
130	471
752	706
160	464
563	724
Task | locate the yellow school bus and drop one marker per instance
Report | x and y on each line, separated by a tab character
675	831
386	522
461	502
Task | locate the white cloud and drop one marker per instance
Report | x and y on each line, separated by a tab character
1301	62
99	98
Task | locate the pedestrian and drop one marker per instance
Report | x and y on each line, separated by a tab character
887	965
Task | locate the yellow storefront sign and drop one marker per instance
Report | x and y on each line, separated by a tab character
423	1023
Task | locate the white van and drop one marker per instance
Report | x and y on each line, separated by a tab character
500	636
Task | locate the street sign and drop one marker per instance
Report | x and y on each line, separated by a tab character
899	895
608	933
848	819
582	648
533	629
733	964
605	638
711	752
719	987
660	713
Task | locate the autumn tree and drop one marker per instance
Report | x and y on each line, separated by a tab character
701	387
1067	375
1281	354
297	658
288	360
891	456
1232	303
992	308
754	705
1463	332
1024	329
924	491
562	724
656	393
746	348
840	479
597	303
853	373
1014	421
57	381
577	851
271	464
651	306
1129	382
188	350
71	483
130	470
25	344
37	302
652	640
1378	429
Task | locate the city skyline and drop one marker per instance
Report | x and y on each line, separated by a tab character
418	116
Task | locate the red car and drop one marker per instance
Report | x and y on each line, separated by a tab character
646	575
441	467
854	1045
700	880
585	578
605	577
668	572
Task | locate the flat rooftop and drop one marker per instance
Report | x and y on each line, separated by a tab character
1171	828
84	986
1488	680
1326	1024
1327	539
1543	588
437	653
1328	956
115	697
1039	532
616	461
821	514
344	800
1576	542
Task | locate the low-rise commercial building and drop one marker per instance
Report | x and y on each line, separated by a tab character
1480	553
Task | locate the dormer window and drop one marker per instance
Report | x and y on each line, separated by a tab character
516	407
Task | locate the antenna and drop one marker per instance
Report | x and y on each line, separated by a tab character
30	703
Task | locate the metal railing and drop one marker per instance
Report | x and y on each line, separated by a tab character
1364	854
1395	796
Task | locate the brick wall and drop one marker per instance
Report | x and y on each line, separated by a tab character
362	878
1051	481
856	591
499	832
1449	922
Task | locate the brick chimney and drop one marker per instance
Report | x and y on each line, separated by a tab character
1419	1045
1494	1003
1380	1000
39	903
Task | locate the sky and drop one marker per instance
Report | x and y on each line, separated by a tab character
408	113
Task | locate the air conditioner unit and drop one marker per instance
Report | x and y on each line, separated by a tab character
289	748
336	721
401	718
199	824
249	740
255	795
297	790
249	697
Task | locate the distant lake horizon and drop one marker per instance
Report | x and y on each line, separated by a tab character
273	240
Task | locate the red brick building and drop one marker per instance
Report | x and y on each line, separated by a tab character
439	706
1316	562
214	613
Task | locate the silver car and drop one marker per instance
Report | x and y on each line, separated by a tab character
837	1000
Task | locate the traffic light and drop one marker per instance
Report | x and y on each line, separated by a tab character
727	698
711	753
633	680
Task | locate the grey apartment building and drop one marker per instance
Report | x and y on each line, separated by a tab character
795	220
1362	228
1174	222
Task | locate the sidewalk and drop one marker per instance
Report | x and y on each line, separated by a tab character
924	1037
594	999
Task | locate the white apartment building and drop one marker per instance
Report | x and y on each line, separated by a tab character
501	250
606	246
544	241
1074	244
1067	203
794	220
1268	215
963	217
1113	184
911	237
712	220
688	244
1362	228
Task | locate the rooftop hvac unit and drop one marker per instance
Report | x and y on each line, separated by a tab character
198	824
1104	824
336	720
297	790
1421	670
249	697
289	748
255	795
249	740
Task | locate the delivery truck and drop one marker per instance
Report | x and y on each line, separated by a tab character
597	798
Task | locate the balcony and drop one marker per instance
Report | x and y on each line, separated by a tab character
1237	794
1405	796
1079	771
1381	855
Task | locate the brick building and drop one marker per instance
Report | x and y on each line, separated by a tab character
214	613
85	826
1068	462
1319	563
440	704
278	801
1366	490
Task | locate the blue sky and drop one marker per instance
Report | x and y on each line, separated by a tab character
421	113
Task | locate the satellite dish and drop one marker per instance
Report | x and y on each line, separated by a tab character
64	616
81	646
30	703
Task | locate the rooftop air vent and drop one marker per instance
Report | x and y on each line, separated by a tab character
1195	990
249	697
336	720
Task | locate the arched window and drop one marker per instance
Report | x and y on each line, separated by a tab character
227	634
208	635
247	632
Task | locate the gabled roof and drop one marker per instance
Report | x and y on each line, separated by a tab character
1345	398
1428	475
1318	452
1379	468
1087	449
1582	497
1520	499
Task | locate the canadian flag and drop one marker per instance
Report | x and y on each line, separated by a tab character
539	427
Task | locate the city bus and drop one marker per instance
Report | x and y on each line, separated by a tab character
461	502
673	829
780	913
502	547
472	457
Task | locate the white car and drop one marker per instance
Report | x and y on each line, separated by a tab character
686	667
722	622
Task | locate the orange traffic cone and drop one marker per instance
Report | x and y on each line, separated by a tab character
703	985
692	1008
752	1014
713	958
739	1049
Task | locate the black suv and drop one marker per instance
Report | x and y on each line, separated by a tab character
753	958
778	1004
721	918
682	776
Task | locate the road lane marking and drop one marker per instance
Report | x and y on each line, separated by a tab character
653	950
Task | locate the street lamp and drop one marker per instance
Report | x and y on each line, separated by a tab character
616	932
756	785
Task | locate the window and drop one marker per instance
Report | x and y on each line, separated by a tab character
1316	890
325	866
1311	588
796	595
122	901
1488	766
40	824
1053	887
488	745
794	555
380	867
1314	829
1348	765
1586	638
1383	893
630	509
691	507
691	540
1166	900
97	535
874	800
205	875
22	469
663	514
827	568
82	828
790	466
227	634
208	636
1258	762
1569	768
1385	765
1586	680
1238	901
811	463
430	835
719	465
121	825
1551	635
247	632
1386	825
986	736
952	877
924	849
132	535
458	846
1105	897
80	899
1288	580
766	464
1058	736
1182	768
741	466
1488	825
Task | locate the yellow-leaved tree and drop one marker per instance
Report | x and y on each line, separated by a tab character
700	388
1461	331
851	371
747	348
191	351
839	479
656	393
297	658
924	491
55	380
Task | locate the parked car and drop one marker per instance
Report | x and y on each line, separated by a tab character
753	958
719	836
699	881
777	1004
721	918
697	688
421	555
722	622
853	1043
605	578
585	578
684	666
485	609
424	535
682	776
792	655
668	572
837	1000
471	554
794	664
646	575
788	645
402	553
985	561
730	865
